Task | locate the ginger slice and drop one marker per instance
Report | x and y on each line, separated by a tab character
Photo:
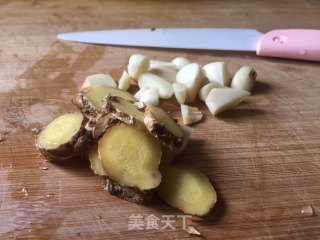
131	194
64	137
127	193
98	125
162	126
96	93
95	162
131	156
168	155
187	189
123	110
85	106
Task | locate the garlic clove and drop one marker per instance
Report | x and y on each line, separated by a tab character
221	99
150	97
217	72
180	92
161	64
137	65
124	81
138	94
166	73
244	78
191	76
101	79
190	115
204	91
180	62
149	80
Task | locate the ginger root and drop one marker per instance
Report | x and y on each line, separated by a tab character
187	189
162	126
64	137
131	156
90	99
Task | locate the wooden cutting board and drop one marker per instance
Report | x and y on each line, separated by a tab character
263	156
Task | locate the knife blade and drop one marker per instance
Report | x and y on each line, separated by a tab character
301	44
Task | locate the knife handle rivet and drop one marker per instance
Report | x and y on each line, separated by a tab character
279	39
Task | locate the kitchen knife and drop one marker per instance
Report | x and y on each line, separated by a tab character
291	43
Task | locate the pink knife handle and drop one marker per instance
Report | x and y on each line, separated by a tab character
294	43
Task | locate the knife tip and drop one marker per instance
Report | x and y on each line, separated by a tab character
61	36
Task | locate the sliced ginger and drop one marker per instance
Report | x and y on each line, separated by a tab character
63	138
131	194
187	189
95	162
161	125
131	156
96	93
123	110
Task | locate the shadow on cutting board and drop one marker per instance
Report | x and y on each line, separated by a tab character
74	163
261	88
240	114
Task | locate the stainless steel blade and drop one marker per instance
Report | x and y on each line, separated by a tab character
186	38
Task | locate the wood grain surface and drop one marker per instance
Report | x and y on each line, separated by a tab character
263	156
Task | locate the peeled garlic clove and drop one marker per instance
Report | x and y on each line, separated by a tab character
190	115
204	91
138	64
180	62
101	79
161	64
150	97
217	72
191	76
139	93
124	81
244	78
149	80
165	73
180	92
221	99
